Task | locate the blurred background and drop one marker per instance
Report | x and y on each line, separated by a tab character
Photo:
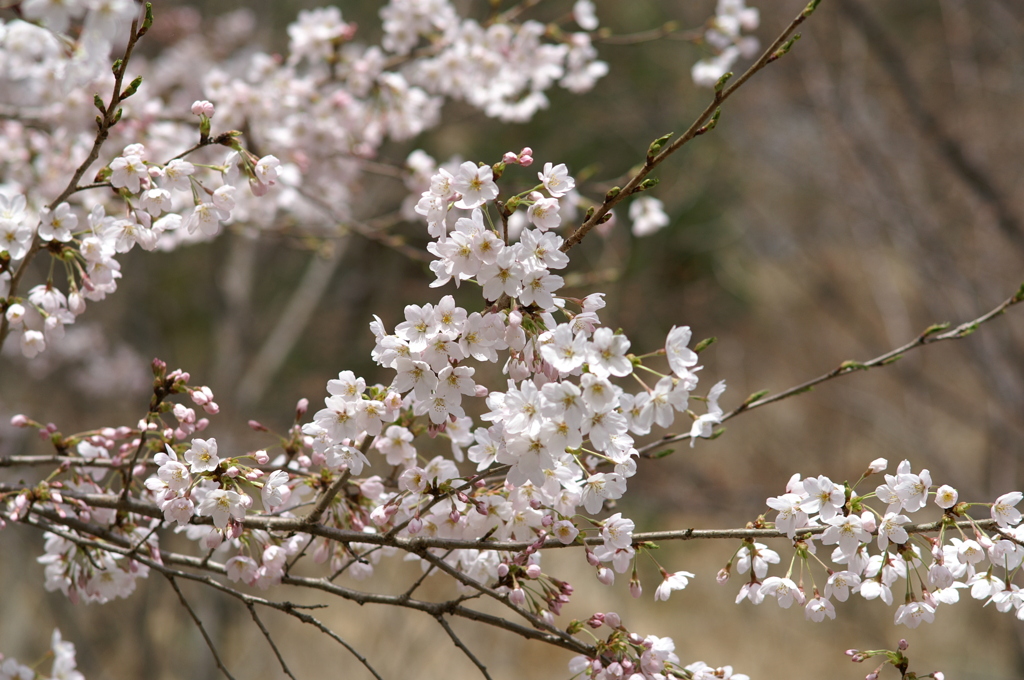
855	192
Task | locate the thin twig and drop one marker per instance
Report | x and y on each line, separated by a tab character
321	506
696	128
931	335
463	647
270	640
202	629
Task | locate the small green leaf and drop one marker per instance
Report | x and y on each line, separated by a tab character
612	193
148	21
657	145
811	6
754	397
704	344
851	366
720	85
892	359
98	103
663	453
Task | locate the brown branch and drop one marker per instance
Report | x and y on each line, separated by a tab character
698	127
936	333
270	640
202	629
465	650
324	502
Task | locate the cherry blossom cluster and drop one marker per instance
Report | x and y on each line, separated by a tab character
982	559
331	102
724	37
64	666
554	445
634	657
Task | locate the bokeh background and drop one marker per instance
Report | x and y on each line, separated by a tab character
862	188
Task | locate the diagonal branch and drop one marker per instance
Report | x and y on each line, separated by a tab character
270	640
199	625
465	650
933	334
702	124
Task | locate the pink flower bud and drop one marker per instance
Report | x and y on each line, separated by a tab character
202	424
612	620
304	461
232	472
479	391
592	558
902	645
262	457
139	470
257	426
510	158
203	108
212	540
547	520
606	576
301	407
533	571
596	621
502	570
253	475
723	576
635	589
517	597
19	420
414	526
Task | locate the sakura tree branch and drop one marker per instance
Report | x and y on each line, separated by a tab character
108	118
465	650
324	502
704	123
932	334
202	629
270	640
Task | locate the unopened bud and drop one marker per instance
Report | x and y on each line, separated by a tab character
612	620
635	589
902	645
257	426
301	407
533	571
517	597
502	570
19	420
723	576
262	457
606	576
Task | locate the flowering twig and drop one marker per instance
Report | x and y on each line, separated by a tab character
698	127
932	334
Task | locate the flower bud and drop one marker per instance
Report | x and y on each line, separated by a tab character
517	597
723	576
902	645
533	571
606	576
257	426
20	420
262	457
414	526
301	407
502	570
635	589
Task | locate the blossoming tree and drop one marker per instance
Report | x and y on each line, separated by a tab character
545	414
